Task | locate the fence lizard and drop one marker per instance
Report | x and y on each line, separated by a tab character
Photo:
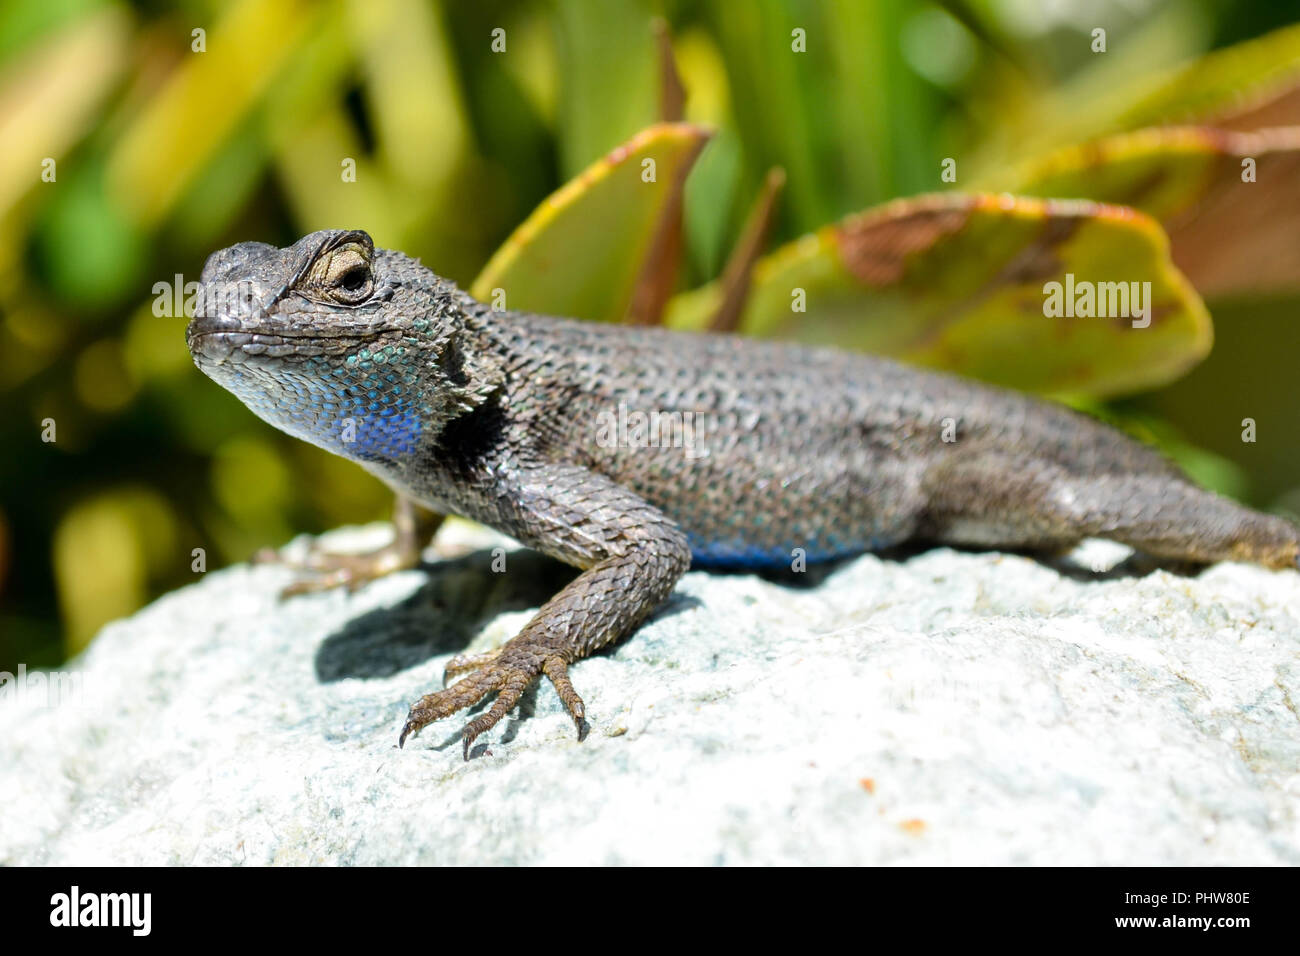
540	427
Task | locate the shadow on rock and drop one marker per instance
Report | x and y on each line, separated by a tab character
460	597
463	594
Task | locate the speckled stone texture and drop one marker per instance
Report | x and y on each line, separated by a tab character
940	708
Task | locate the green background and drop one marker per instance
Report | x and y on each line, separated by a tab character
164	154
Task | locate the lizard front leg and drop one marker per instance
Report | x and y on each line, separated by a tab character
631	555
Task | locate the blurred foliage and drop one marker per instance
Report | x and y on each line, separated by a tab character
162	154
605	218
955	281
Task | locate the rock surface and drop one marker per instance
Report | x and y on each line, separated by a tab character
940	708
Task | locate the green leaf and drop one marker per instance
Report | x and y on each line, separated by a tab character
958	282
1230	201
1247	86
200	104
581	251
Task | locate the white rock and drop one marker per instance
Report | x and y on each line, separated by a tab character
947	708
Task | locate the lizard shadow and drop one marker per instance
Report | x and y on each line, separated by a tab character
1136	565
460	596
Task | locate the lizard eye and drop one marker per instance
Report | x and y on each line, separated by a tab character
354	280
344	274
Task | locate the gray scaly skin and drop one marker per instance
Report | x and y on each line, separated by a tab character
505	418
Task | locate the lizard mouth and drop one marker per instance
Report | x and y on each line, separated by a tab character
222	340
219	339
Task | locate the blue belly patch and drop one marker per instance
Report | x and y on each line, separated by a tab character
738	555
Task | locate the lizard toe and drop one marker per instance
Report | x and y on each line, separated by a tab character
557	671
464	663
507	674
444	703
507	697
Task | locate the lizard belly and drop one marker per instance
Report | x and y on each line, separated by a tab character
712	553
766	510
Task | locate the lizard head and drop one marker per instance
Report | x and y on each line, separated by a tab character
356	349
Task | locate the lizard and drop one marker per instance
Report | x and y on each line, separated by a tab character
536	426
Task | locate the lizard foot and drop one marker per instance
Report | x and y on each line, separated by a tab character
507	671
413	528
331	569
